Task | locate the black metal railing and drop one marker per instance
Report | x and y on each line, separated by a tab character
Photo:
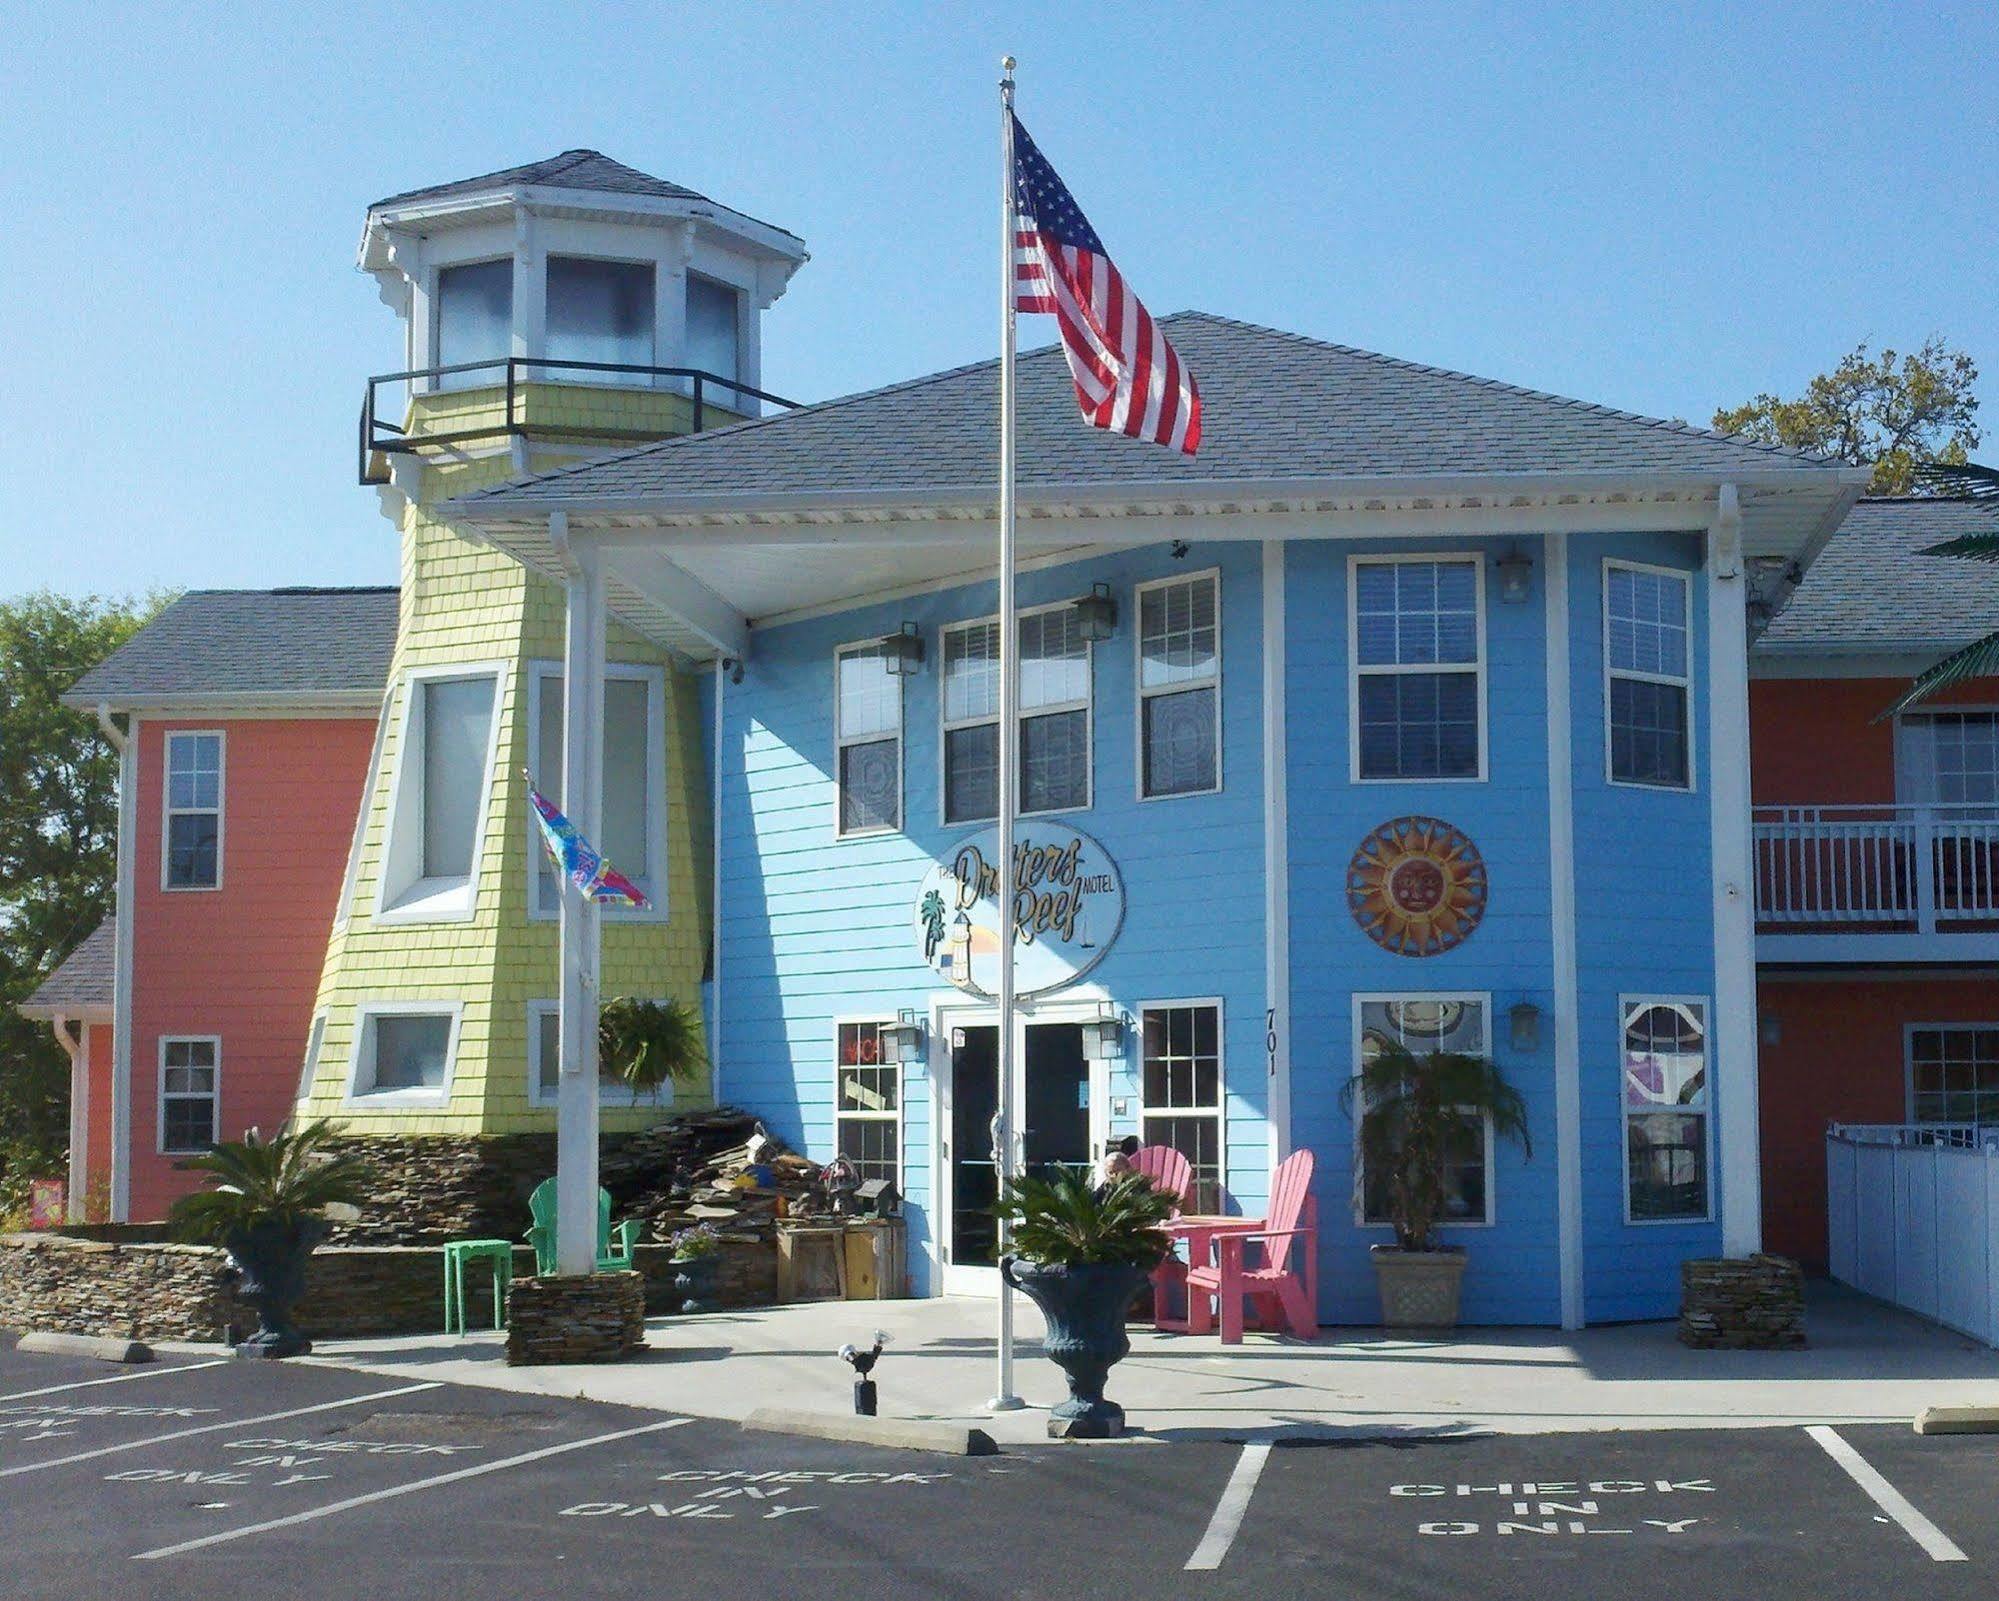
511	374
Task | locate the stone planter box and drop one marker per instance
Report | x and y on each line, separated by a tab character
596	1317
1754	1303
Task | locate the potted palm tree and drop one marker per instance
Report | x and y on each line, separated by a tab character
650	1043
266	1206
1420	1116
1080	1254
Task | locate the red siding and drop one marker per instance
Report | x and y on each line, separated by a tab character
242	961
1838	1058
1814	741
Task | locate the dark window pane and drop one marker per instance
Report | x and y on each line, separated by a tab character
1180	743
869	1143
870	786
1199	1139
1419	725
1054	761
971	774
1464	1179
188	1123
1668	1160
1648	733
191	842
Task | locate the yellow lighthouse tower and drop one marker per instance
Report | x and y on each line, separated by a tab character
550	313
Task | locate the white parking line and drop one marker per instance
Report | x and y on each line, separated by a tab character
1230	1508
1890	1500
405	1489
119	1378
211	1428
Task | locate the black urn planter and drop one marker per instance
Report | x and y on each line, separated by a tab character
694	1281
1084	1308
270	1261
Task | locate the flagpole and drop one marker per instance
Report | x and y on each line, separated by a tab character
1004	1399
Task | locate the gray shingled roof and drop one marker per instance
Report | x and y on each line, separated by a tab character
1873	590
573	169
1275	405
83	979
330	646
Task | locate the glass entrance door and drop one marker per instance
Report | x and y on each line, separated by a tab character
1052	1111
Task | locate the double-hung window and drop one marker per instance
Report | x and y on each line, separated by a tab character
436	821
1665	1062
867	1102
1419	667
545	1066
191	856
1954	1074
1423	1024
1054	716
1647	623
1179	686
190	1070
867	736
1181	1079
632	826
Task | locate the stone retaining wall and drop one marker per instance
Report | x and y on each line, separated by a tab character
1754	1303
146	1290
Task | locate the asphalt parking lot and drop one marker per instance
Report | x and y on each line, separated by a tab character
225	1479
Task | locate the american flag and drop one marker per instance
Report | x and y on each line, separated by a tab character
1129	379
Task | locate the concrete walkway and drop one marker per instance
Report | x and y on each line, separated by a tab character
1867	1363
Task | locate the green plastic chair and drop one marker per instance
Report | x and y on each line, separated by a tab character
614	1254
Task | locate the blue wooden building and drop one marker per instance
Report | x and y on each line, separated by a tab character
1413	708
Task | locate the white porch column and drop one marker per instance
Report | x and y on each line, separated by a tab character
1276	860
1562	929
1733	1032
127	743
582	801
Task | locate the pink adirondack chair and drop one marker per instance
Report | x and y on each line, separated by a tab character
1169	1170
1284	1281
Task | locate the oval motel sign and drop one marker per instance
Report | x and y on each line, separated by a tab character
1068	908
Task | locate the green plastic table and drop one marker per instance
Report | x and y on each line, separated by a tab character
499	1254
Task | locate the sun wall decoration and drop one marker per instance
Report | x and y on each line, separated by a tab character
1417	886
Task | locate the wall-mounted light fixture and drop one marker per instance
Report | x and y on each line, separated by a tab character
1523	1024
1179	549
1096	614
902	1040
1516	573
903	651
1103	1033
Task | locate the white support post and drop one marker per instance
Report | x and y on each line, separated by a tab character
1276	861
1562	928
1734	1027
582	801
127	743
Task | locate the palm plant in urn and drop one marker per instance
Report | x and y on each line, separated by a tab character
1422	1117
1080	1253
266	1206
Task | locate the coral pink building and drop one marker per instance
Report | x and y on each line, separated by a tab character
245	721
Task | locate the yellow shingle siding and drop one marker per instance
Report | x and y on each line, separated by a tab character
464	604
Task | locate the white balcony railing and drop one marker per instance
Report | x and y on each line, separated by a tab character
1854	868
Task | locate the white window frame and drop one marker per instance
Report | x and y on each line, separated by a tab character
169	811
1356	671
489	377
1221	1108
842	739
540	675
214	1097
1087	706
571	375
1211	575
1915	762
1646	998
450	901
879	1021
1685	682
610	1092
1480	998
1909	1033
315	1042
361	1058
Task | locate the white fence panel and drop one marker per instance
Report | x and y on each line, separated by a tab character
1913	1218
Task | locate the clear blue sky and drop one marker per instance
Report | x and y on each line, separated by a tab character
1663	213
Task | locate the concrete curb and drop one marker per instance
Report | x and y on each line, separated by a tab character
948	1439
1958	1420
101	1346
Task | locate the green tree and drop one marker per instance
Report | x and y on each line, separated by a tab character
58	848
1889	412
